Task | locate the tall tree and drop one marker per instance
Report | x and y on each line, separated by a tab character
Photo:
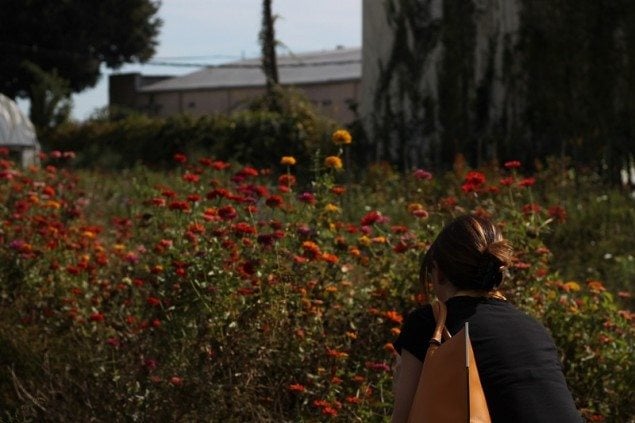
72	39
50	98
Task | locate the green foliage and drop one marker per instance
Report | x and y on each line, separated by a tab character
596	241
178	295
257	136
50	98
73	38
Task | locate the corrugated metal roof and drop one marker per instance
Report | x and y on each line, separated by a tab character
307	68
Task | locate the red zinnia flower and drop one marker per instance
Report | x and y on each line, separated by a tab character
527	182
512	164
274	201
180	158
296	387
190	177
220	165
506	181
373	217
475	178
97	317
248	171
244	228
176	380
179	205
558	213
227	213
531	208
153	301
287	180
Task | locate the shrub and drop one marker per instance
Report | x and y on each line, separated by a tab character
256	136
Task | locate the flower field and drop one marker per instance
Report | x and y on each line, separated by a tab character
222	292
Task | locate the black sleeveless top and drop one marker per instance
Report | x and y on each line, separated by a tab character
517	360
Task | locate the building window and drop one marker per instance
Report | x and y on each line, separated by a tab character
191	104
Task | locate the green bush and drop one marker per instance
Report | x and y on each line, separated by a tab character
255	136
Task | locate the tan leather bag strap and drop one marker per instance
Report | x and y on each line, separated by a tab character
440	312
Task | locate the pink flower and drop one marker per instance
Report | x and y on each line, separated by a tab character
421	174
307	197
150	364
377	366
512	164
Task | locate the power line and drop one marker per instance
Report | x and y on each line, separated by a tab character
254	65
172	62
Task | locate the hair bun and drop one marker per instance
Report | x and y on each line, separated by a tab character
500	250
490	273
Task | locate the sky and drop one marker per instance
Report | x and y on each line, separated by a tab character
218	31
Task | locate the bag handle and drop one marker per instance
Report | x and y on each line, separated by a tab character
440	312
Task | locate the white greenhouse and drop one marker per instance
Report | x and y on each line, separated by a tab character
17	133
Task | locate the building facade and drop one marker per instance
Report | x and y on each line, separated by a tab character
330	80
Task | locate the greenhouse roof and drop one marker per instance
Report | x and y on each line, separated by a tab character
16	129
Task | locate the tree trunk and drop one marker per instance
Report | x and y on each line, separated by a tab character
269	62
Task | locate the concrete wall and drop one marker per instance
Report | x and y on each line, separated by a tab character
496	21
332	99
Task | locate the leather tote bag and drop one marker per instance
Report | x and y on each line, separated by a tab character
449	387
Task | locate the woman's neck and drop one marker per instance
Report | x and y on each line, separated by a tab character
477	293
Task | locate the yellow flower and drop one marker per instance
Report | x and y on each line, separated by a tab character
364	240
331	208
287	161
333	162
342	137
571	286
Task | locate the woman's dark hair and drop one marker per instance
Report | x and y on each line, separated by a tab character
470	252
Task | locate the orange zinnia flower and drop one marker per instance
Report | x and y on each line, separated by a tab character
288	161
333	162
393	316
342	137
330	258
